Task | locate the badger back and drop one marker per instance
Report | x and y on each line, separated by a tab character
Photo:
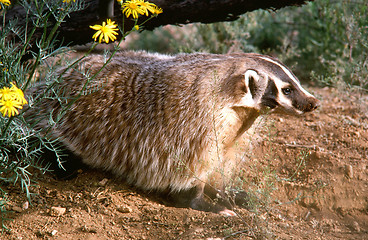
145	117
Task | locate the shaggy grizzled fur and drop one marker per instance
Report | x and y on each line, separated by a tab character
162	122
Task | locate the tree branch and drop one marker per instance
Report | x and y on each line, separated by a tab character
75	30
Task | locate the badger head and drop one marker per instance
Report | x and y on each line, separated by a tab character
273	86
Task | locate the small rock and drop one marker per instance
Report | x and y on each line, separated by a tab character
17	209
357	134
103	182
40	234
307	215
25	205
88	229
315	155
283	225
53	233
349	171
57	211
356	226
341	211
88	209
352	121
124	209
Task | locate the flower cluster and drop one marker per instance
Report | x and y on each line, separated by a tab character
5	2
138	7
108	30
11	99
68	1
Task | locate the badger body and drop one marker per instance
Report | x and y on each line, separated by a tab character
165	122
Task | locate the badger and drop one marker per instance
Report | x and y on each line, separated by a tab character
165	123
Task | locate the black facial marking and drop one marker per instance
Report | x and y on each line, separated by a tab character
252	86
270	95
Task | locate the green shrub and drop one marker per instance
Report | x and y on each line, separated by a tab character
20	144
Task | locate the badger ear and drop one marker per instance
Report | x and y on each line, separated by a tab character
251	78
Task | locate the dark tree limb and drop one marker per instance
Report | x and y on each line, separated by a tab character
75	30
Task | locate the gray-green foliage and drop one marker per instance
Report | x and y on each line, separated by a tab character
331	41
20	146
325	39
20	143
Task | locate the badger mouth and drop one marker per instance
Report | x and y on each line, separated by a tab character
275	107
270	103
288	111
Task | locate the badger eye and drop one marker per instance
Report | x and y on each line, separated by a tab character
286	91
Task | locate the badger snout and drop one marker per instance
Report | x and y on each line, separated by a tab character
309	105
313	104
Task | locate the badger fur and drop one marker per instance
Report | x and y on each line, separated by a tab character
164	122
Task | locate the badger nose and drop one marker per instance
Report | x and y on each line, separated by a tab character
312	105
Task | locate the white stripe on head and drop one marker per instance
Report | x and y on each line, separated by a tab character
288	73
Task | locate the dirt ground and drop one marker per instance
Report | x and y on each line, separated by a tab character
315	165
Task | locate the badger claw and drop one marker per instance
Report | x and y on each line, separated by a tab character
227	213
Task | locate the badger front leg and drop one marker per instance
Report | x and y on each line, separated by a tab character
204	202
197	199
227	198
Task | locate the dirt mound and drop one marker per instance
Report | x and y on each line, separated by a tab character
314	170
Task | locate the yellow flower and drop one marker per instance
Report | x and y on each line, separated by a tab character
139	7
147	7
157	10
5	2
136	27
67	1
133	8
18	94
10	107
11	99
106	31
6	94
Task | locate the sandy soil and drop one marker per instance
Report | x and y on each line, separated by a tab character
311	174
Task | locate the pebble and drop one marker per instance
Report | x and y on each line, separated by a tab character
57	211
124	209
352	121
356	226
349	171
103	182
25	205
17	209
307	215
88	229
